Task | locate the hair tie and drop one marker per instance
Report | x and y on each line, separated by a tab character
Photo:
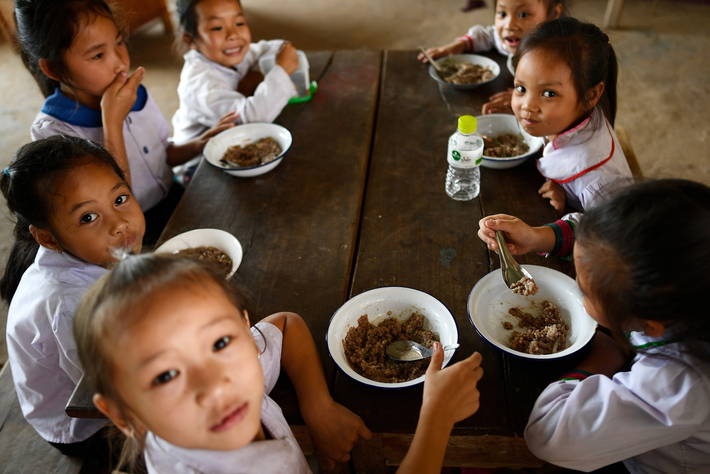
6	171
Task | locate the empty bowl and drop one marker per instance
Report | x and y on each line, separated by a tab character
244	135
376	303
493	125
217	238
490	299
465	58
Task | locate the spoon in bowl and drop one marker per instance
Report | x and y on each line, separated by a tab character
431	60
409	351
512	271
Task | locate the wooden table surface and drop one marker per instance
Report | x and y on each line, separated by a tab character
359	203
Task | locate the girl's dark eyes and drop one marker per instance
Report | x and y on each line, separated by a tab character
88	218
520	89
216	28
523	15
501	14
221	343
165	377
98	56
121	199
549	94
240	23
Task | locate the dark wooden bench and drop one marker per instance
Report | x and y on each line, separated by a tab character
21	448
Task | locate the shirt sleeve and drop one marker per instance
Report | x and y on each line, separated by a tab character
592	423
480	38
45	127
269	342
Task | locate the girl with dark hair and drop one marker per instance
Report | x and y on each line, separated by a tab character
642	395
565	91
77	51
74	209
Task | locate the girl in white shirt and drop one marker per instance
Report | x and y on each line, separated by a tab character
175	366
641	396
73	209
220	61
77	53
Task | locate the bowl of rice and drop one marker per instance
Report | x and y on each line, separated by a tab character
506	144
364	325
549	324
248	150
464	71
213	246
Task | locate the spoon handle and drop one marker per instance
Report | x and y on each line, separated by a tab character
431	60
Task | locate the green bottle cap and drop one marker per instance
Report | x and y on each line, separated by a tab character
467	124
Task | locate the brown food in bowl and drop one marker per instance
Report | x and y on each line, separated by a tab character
259	152
211	255
503	146
544	333
462	73
365	345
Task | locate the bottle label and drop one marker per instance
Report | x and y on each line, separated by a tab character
465	151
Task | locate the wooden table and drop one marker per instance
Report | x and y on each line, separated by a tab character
359	203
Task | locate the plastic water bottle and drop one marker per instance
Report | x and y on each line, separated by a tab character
463	179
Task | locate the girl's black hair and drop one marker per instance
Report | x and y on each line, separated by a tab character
46	28
586	51
187	15
27	185
646	251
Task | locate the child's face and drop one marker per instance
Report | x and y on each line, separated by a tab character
545	100
188	369
222	31
516	18
93	212
97	54
591	305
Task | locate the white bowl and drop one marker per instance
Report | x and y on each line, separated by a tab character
466	58
501	124
220	239
376	303
244	135
490	300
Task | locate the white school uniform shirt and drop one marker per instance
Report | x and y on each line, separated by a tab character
484	38
145	134
587	161
655	417
208	91
278	455
40	343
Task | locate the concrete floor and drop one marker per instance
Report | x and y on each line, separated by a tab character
664	90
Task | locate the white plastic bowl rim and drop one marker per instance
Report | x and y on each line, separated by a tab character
244	135
534	143
490	299
218	238
401	301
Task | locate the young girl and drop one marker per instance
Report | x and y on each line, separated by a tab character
187	381
74	209
514	19
565	91
220	56
78	55
641	269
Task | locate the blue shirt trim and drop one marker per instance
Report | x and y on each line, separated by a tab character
68	110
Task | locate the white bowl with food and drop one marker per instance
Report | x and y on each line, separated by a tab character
465	71
248	150
502	135
491	300
212	245
380	304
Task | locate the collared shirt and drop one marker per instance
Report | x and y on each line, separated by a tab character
145	134
484	38
280	454
655	417
208	91
40	343
587	161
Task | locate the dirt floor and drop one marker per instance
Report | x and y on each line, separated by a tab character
664	90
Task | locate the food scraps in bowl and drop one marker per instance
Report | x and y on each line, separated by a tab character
526	286
459	72
365	345
541	329
503	146
212	255
259	152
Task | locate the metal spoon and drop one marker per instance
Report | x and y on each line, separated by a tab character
512	271
431	60
408	351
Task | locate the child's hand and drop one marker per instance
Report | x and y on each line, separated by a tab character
119	97
287	58
334	430
554	192
456	47
450	394
225	122
605	356
498	103
520	237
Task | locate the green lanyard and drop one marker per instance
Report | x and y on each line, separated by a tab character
653	344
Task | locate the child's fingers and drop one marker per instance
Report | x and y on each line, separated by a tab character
437	358
135	79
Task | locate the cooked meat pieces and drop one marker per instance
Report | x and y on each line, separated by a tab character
544	333
261	151
465	73
221	261
525	286
504	145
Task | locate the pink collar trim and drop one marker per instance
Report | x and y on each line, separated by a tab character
579	126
